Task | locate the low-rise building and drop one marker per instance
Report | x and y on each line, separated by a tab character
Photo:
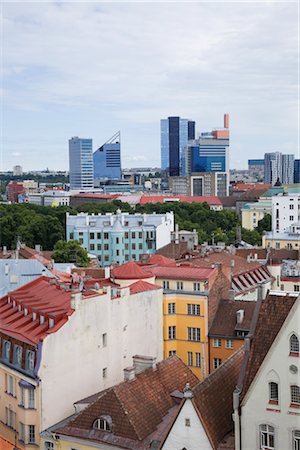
58	344
231	324
252	213
289	239
50	198
267	397
120	237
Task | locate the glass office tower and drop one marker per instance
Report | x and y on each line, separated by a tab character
107	159
81	164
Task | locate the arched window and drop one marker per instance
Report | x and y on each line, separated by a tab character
104	423
294	345
295	395
267	437
273	392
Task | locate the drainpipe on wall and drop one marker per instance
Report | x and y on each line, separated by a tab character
237	419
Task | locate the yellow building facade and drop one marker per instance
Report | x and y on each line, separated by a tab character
278	242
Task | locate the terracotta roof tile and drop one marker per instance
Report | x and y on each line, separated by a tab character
130	271
142	286
225	323
213	398
136	407
211	200
173	250
181	272
272	315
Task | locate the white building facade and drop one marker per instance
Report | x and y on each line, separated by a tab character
285	212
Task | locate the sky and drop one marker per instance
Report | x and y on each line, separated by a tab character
89	69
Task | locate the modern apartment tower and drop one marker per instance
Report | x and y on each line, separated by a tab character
107	159
175	133
297	171
279	167
81	164
256	168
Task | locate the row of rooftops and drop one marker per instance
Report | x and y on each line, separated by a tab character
166	386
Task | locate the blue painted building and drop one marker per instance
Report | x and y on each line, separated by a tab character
107	159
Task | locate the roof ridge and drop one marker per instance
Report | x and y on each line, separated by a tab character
125	411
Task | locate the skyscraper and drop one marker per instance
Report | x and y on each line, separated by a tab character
287	169
81	163
273	167
175	133
297	171
256	168
107	159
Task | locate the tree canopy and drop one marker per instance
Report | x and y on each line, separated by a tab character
72	252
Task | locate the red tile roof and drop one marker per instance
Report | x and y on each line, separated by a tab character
225	323
181	272
39	296
213	398
174	250
137	407
5	445
161	260
272	315
142	286
130	271
211	200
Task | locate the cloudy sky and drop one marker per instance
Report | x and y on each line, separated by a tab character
90	69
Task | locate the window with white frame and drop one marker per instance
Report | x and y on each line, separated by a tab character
193	309
217	343
6	350
171	308
10	385
102	424
217	362
172	332
30	360
229	343
295	395
21	432
294	345
194	334
10	418
18	355
267	437
273	392
190	358
49	445
197	286
172	352
166	284
296	440
22	399
31	398
198	359
179	285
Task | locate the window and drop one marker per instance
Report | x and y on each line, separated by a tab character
10	385
106	247
103	424
126	233
117	240
179	285
229	343
193	310
105	236
99	247
6	350
291	206
217	343
104	372
266	433
273	392
92	235
92	246
133	235
30	360
172	352
198	359
22	402
117	253
18	355
197	286
171	308
187	422
217	362
291	218
166	284
31	434
190	358
98	235
104	340
71	236
294	345
133	246
296	440
10	418
295	395
296	288
31	398
49	445
22	432
172	332
141	246
193	334
140	235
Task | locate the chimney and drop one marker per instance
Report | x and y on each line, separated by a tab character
240	316
106	272
141	363
4	250
75	300
37	248
187	391
260	292
6	268
226	120
129	373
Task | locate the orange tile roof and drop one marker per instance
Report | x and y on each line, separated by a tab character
211	200
5	445
130	271
181	272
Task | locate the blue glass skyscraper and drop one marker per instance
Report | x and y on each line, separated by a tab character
107	159
175	133
297	171
81	163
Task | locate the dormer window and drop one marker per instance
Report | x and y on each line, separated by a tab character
18	355
30	360
294	345
6	350
34	316
104	423
51	323
25	311
42	319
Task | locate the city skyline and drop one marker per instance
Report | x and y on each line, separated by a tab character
59	82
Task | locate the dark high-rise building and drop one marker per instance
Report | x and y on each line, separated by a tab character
297	171
175	133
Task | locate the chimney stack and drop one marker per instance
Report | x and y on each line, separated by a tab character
129	373
240	316
176	233
226	120
141	363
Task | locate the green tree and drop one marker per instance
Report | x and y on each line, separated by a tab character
71	251
265	224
